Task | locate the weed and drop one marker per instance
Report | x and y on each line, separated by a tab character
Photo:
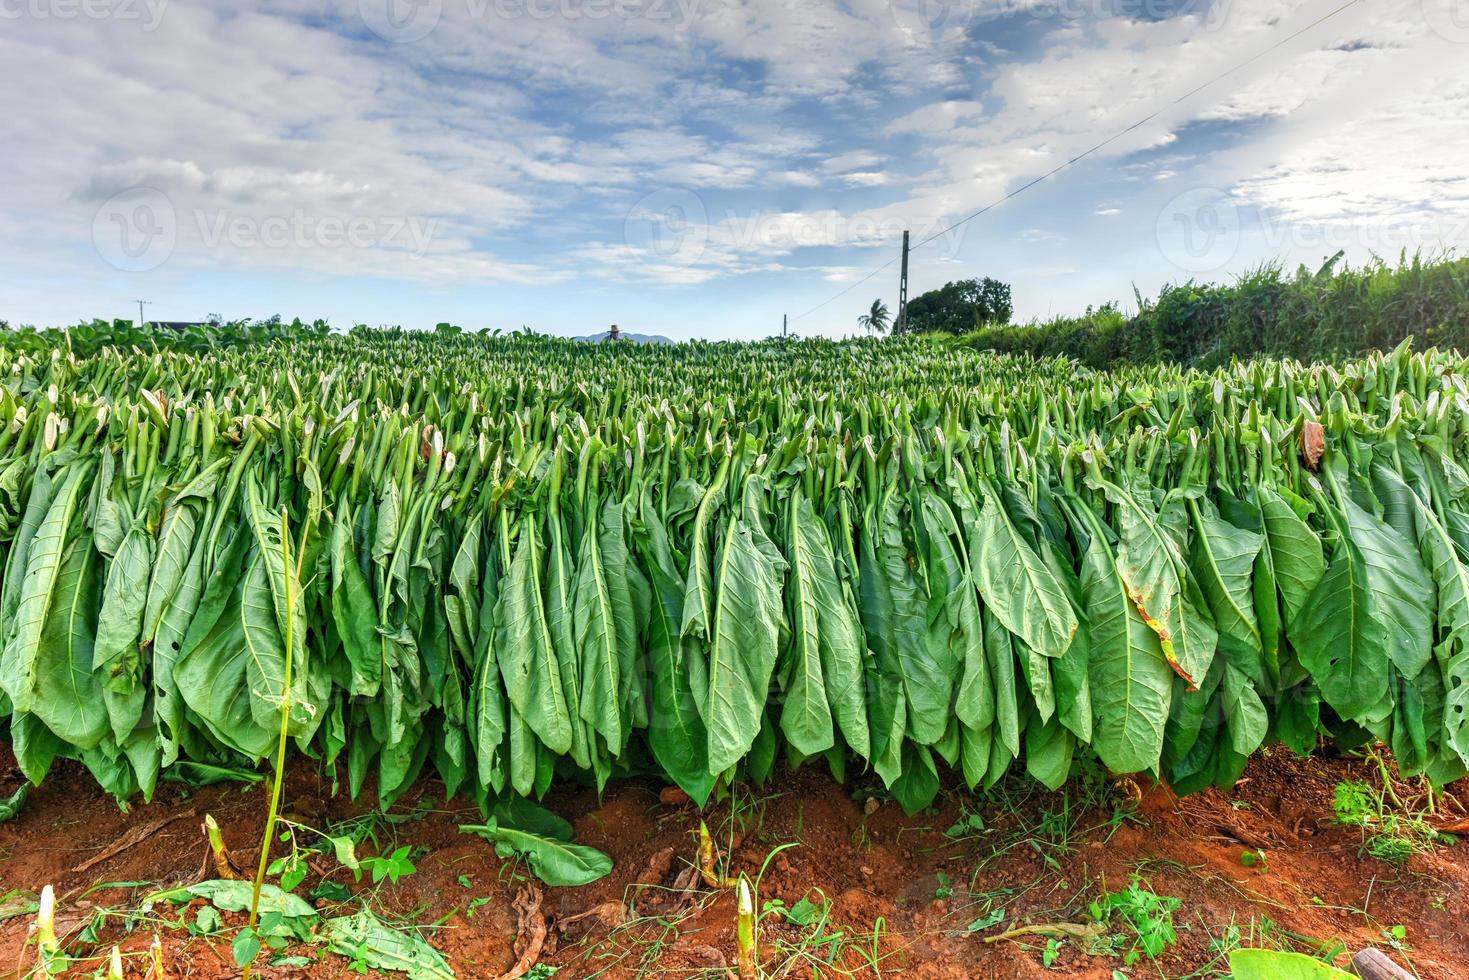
1389	833
1355	803
1148	915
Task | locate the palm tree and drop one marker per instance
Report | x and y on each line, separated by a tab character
875	319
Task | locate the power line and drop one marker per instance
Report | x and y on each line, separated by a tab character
1104	143
1143	121
845	291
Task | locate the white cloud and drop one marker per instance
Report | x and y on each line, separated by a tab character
523	143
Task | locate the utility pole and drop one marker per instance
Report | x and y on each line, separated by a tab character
142	303
785	323
902	320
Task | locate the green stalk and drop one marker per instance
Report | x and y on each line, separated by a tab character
280	758
745	927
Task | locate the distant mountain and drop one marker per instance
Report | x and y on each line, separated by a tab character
637	338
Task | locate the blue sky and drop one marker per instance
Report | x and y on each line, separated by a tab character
701	167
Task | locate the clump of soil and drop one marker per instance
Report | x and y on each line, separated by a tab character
851	885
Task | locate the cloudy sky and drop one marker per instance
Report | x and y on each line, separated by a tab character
701	167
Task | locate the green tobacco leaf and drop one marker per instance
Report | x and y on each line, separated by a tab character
10	806
1017	585
805	717
68	692
519	813
601	659
1400	589
42	567
1452	652
555	862
1271	964
1223	559
1369	610
1131	683
742	643
265	657
363	939
1295	552
523	647
676	731
235	895
115	654
929	670
1339	640
354	612
1152	568
212	679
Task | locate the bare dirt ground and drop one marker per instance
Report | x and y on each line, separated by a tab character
884	894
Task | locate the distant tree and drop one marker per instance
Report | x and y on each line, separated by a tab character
959	307
875	319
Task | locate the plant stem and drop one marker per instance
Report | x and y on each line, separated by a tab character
280	758
745	928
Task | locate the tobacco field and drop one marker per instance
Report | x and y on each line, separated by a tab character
513	560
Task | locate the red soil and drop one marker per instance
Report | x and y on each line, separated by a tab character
900	890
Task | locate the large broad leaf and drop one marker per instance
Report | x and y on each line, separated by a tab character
519	813
1131	683
1223	560
42	566
742	643
999	652
1451	576
168	640
119	626
1152	568
629	595
1048	751
599	640
887	707
523	648
1244	712
955	626
974	701
1295	551
1339	639
236	895
488	707
354	612
1271	964
211	674
265	659
842	648
929	670
562	620
698	603
364	939
1017	585
68	692
1401	591
805	718
176	540
556	862
676	731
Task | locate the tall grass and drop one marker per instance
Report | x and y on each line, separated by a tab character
1266	312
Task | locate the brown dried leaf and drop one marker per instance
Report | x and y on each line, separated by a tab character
1313	443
